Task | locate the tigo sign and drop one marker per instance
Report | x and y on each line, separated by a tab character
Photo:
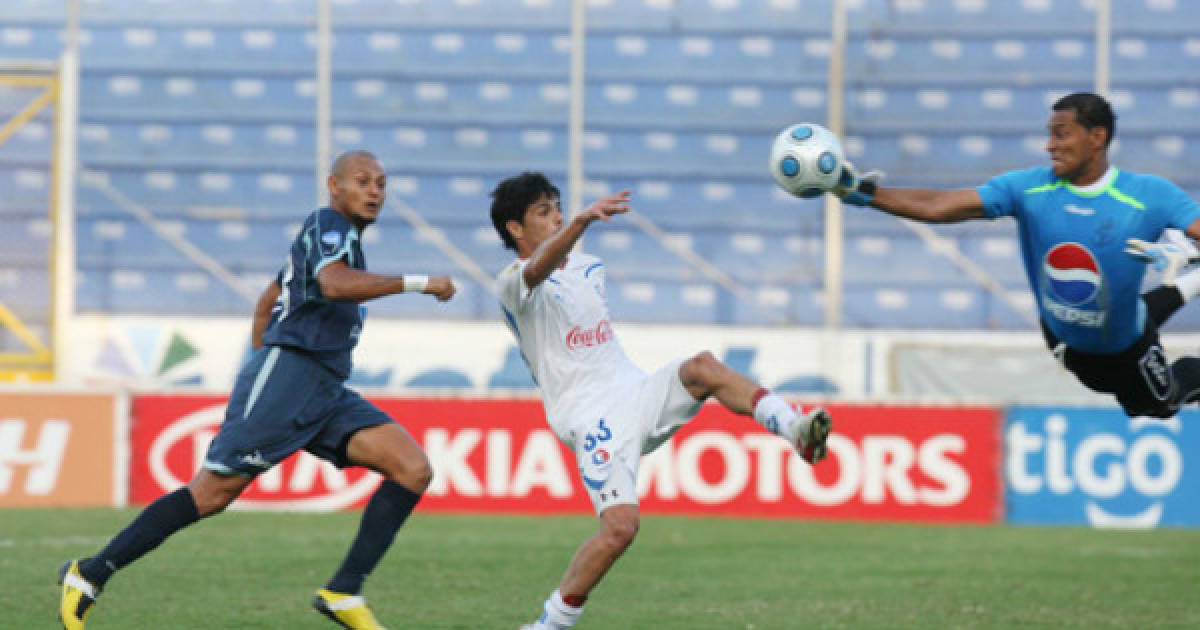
1098	467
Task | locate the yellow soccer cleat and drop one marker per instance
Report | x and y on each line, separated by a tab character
78	595
348	611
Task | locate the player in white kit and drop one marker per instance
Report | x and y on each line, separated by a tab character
598	402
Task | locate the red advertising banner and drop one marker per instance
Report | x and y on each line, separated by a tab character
56	449
896	463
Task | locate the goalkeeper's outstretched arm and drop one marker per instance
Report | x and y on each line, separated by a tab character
928	205
921	204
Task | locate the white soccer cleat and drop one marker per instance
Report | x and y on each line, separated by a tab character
812	431
1168	257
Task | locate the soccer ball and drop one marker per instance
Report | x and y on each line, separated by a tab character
806	159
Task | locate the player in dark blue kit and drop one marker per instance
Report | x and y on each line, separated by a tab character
291	396
1078	221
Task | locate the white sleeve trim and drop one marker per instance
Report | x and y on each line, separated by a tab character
343	252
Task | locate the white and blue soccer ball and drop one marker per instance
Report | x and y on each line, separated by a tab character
806	159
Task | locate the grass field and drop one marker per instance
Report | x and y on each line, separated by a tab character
242	570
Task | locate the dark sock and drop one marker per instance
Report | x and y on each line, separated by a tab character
386	512
1162	302
169	514
1187	379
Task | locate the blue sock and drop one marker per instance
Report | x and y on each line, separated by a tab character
386	512
169	514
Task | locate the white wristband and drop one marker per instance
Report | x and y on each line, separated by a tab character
415	283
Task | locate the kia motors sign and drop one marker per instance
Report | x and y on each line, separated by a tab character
58	449
498	455
1097	466
170	436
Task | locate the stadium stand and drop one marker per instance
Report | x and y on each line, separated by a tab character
205	118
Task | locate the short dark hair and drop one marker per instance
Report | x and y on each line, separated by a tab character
1091	111
513	196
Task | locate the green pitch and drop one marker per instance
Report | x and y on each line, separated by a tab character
242	571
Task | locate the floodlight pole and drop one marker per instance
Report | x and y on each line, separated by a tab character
835	119
324	78
575	113
66	123
1103	79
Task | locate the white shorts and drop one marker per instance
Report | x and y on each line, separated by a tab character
641	415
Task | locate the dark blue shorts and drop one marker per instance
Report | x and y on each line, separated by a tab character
284	401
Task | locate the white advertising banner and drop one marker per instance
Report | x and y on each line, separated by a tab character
991	367
156	352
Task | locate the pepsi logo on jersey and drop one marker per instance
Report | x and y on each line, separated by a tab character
1073	276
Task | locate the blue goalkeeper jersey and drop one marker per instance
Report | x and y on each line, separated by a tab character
1073	240
302	318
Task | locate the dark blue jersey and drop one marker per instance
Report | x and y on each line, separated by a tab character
1073	241
302	318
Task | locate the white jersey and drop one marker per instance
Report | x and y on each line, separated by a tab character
562	327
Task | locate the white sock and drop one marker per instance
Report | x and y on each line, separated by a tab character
775	414
558	615
1188	284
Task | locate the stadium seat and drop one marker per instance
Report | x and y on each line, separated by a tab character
663	301
27	240
439	379
208	124
807	384
898	260
25	290
513	373
741	360
914	307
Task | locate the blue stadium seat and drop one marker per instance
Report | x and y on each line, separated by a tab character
155	291
439	378
1001	315
25	290
645	301
27	240
233	193
513	373
765	258
1000	256
808	384
208	124
632	254
903	261
963	55
938	16
26	188
741	360
914	307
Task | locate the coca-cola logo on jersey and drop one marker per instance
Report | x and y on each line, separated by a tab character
581	337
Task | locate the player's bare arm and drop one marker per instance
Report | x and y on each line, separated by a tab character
340	282
262	313
928	205
1193	230
553	251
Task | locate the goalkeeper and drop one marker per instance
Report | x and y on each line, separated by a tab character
1086	230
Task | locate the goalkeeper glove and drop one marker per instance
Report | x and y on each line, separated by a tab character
1169	257
855	189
